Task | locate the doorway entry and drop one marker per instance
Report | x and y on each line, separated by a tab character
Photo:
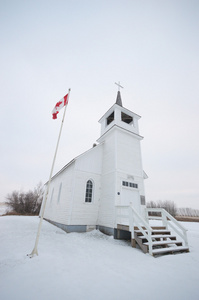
130	195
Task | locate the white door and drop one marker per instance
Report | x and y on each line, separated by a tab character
128	196
131	196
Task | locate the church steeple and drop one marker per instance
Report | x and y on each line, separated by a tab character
120	118
119	99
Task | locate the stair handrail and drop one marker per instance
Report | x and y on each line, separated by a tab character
180	230
134	219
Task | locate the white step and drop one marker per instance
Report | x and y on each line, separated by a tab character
159	230
153	230
170	249
158	236
157	243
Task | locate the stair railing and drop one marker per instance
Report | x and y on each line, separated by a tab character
168	220
127	214
135	219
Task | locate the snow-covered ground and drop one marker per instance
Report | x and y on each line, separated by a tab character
78	266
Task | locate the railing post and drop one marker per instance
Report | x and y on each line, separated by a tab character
164	219
185	238
146	215
150	242
116	216
131	222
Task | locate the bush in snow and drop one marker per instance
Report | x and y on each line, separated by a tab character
28	203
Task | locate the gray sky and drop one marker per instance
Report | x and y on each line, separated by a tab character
151	47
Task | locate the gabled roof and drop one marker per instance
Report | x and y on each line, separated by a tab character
62	169
74	160
145	176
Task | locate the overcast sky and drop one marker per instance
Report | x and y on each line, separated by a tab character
151	47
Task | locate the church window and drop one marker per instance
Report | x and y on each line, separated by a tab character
126	118
130	184
89	191
133	185
59	195
110	118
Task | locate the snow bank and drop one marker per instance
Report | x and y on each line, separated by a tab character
78	266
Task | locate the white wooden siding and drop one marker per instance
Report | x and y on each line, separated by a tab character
129	154
85	213
60	212
108	187
107	203
87	167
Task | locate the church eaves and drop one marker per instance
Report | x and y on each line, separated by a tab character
119	99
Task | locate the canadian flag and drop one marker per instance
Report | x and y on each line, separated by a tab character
59	105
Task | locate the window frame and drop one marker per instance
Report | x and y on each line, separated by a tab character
129	184
89	191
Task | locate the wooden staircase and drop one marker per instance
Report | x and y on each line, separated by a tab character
151	239
163	242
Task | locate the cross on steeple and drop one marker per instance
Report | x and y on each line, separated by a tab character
119	86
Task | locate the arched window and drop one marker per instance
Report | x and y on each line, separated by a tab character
59	195
89	191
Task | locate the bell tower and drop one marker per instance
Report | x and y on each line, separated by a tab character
123	177
119	116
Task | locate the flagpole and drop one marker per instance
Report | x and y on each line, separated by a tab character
35	251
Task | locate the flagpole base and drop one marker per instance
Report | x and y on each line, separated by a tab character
33	253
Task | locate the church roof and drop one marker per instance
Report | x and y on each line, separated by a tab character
119	99
75	159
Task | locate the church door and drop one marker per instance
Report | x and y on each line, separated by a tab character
131	196
128	196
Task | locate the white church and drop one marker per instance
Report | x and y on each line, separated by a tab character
103	188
